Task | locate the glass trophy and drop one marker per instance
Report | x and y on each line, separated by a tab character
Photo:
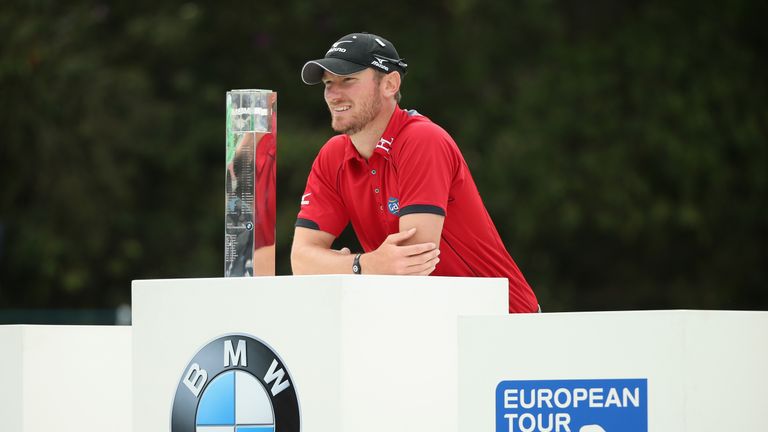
249	238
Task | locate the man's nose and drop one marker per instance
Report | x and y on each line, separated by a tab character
331	93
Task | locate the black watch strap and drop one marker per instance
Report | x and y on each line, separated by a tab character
356	269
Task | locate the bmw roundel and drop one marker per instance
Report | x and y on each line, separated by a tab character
235	383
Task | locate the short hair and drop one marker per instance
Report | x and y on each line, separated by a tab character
379	75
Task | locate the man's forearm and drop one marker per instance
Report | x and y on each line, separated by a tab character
388	259
310	259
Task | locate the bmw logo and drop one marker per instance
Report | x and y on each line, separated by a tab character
236	383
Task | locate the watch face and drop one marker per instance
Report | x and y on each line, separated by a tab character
356	264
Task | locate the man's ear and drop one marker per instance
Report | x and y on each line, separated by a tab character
391	84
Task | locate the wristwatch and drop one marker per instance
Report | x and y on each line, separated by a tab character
356	269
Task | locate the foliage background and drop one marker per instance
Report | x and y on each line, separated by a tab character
619	146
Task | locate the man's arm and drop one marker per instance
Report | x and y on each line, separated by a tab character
312	254
428	226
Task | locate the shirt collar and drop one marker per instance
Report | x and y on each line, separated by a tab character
384	146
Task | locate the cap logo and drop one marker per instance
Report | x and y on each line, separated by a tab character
379	63
335	47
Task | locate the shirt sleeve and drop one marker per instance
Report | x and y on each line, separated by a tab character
321	205
426	165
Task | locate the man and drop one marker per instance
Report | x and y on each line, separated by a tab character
397	177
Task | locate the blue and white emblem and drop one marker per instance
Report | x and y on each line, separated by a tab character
394	206
235	384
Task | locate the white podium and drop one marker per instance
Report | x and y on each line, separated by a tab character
382	353
685	371
359	353
65	378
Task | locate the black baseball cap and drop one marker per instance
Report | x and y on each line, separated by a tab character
353	53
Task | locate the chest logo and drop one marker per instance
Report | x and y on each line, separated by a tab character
385	144
394	206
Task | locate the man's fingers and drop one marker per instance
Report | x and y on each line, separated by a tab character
344	251
400	236
420	263
423	269
418	249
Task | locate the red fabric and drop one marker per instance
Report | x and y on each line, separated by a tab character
418	168
266	179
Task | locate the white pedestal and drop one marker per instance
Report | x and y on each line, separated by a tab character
705	371
65	378
364	353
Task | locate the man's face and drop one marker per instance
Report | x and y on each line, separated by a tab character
354	100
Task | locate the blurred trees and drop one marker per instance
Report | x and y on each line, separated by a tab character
620	148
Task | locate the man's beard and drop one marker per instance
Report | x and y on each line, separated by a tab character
369	109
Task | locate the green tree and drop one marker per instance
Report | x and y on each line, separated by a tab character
620	147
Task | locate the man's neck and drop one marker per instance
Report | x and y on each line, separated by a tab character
365	141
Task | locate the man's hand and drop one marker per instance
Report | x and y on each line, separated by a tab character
391	258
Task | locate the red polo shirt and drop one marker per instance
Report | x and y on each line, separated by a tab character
415	168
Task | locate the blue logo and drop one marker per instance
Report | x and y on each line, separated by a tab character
394	206
598	405
236	398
